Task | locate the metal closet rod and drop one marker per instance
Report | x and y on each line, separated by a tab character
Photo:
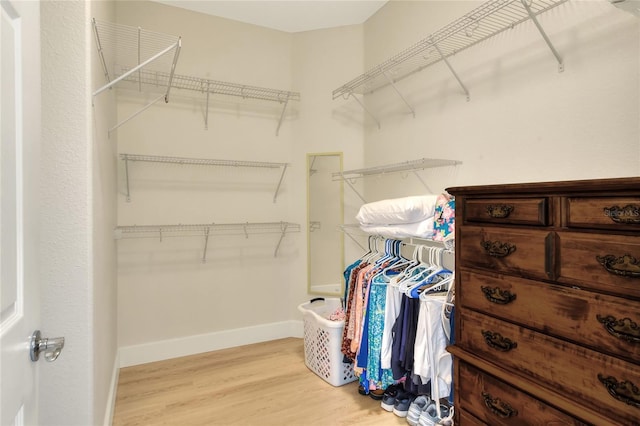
352	229
200	162
206	230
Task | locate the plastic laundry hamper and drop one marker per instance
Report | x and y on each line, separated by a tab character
323	340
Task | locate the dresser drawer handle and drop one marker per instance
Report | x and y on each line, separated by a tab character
499	211
624	391
498	342
497	248
628	215
626	266
497	295
624	329
498	406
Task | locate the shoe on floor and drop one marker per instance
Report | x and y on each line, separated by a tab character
415	409
403	401
389	397
429	416
377	394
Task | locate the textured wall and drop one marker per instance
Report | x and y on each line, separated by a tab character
66	227
78	271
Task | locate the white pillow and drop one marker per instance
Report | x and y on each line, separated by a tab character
422	229
398	210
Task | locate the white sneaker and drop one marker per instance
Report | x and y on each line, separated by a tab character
416	407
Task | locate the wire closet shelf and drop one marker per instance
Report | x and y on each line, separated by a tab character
133	48
206	230
411	166
405	166
487	20
200	162
204	85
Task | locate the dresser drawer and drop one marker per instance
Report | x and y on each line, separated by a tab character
496	403
604	212
519	211
467	419
605	323
604	383
521	252
609	263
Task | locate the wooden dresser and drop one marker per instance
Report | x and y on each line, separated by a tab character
548	303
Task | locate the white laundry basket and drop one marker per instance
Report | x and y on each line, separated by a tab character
323	341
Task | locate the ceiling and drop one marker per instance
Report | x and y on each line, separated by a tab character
286	15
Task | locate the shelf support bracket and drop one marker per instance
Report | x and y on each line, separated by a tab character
275	196
173	69
284	108
284	231
206	110
390	80
534	18
353	188
354	240
422	181
100	52
446	61
135	114
206	243
126	174
365	109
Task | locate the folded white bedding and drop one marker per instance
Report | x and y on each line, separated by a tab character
407	210
423	229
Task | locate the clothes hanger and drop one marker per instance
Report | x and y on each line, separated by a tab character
393	264
419	273
413	262
439	278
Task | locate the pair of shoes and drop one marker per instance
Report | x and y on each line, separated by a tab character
389	397
429	416
415	409
361	390
402	404
377	394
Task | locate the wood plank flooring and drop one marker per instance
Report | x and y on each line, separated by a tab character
262	384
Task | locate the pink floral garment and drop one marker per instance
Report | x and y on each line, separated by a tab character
444	218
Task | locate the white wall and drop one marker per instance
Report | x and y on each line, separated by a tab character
77	218
169	302
323	60
165	291
525	120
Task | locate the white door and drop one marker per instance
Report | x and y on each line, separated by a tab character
20	132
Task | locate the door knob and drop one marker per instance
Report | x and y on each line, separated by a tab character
51	348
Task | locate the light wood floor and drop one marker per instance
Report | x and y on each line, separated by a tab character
262	384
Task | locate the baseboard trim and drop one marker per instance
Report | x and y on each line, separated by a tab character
111	399
191	345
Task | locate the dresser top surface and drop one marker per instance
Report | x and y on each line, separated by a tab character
626	185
